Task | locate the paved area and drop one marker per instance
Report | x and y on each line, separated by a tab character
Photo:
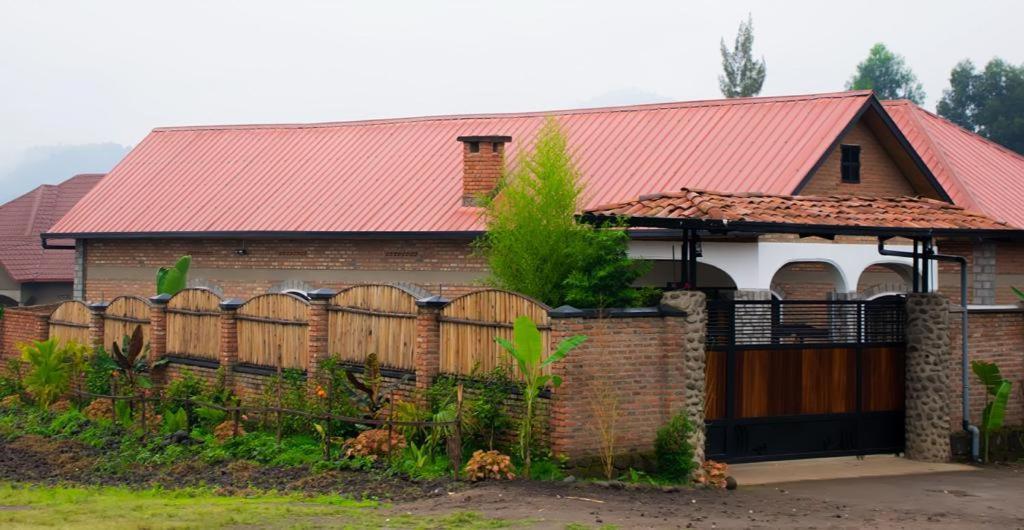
836	468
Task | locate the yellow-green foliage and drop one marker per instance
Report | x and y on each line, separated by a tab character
51	368
116	508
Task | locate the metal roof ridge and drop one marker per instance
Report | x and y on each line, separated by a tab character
529	114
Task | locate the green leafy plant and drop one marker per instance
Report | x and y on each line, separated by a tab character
172	280
1018	292
49	371
175	421
527	350
11	380
373	392
98	370
604	274
673	451
996	396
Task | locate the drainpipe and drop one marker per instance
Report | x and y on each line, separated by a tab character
965	387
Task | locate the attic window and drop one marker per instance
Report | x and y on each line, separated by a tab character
474	147
850	165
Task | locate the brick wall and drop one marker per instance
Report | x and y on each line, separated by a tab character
117	267
627	357
879	174
23	325
996	336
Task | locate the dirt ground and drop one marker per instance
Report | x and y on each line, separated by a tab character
988	498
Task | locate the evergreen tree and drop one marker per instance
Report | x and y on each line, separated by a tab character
888	75
990	102
742	76
533	243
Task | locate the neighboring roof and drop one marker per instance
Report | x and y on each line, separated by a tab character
689	208
24	218
976	172
404	175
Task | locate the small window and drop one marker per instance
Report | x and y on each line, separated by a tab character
850	168
474	147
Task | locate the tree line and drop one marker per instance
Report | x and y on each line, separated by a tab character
987	101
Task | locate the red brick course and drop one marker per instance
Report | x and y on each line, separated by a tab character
481	170
22	325
996	336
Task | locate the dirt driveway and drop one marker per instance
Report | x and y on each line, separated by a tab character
985	498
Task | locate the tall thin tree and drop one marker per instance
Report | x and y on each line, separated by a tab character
742	75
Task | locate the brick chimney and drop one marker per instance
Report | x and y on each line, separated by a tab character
483	160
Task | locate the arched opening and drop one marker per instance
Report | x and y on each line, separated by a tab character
710	279
882	279
808	280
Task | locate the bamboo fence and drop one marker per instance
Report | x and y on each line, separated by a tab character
270	325
70	322
193	324
377	319
121	317
470	323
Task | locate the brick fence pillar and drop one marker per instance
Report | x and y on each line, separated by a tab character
96	311
427	355
157	334
229	339
687	318
564	425
316	337
927	378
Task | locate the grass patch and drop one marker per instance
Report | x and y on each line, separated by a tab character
115	508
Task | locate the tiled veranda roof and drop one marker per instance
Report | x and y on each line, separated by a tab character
899	213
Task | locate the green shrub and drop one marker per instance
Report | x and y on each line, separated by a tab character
673	451
97	372
68	424
175	420
10	380
49	371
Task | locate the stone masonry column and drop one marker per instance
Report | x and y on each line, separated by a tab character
927	378
157	334
316	341
691	308
96	311
427	356
229	339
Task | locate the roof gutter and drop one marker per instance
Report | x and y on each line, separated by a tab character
260	234
51	246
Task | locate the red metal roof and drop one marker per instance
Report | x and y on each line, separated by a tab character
869	212
977	173
404	175
24	218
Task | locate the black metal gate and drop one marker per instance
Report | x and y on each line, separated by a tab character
797	379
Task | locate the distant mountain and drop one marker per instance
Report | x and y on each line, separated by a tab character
50	164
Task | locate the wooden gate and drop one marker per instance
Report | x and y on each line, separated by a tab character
793	379
377	319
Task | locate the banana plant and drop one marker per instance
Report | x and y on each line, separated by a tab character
172	280
527	351
997	395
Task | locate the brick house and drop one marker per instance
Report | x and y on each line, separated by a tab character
276	207
30	274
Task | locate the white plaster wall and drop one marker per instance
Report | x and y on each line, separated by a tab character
753	264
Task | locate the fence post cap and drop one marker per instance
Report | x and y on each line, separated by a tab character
322	293
231	304
160	299
566	311
433	301
98	306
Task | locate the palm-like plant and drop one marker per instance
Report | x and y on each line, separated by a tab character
171	280
50	371
527	350
997	395
131	359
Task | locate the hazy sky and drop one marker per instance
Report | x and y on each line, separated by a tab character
108	71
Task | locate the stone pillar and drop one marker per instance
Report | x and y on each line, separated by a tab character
427	356
229	339
983	274
927	378
157	334
97	309
316	341
691	308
